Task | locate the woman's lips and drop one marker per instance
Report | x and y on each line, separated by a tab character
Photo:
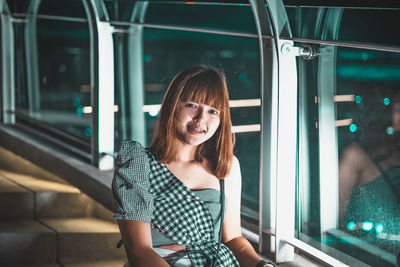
195	129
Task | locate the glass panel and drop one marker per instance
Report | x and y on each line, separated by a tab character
349	117
21	88
355	25
344	3
166	52
57	88
18	6
120	10
236	17
72	8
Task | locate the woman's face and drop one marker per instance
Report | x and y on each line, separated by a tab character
196	123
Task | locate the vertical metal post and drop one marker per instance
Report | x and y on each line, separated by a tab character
136	75
32	63
285	137
268	93
287	152
7	65
328	140
102	83
328	146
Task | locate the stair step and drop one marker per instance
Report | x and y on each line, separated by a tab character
27	242
38	185
86	239
104	263
31	265
15	200
52	199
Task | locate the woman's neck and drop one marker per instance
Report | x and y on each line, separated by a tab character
184	152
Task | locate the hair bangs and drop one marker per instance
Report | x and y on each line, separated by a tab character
205	88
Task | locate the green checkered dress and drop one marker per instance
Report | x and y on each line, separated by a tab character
145	190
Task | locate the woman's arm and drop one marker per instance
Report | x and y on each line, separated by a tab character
231	235
355	169
138	244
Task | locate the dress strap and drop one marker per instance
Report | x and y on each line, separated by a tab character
222	201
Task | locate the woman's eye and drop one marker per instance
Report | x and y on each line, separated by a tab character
190	105
214	112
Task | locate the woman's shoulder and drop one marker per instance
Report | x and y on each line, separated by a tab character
131	149
129	145
234	179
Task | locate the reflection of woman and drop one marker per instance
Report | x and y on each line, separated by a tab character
168	197
369	180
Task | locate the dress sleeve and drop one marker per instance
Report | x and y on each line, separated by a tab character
130	185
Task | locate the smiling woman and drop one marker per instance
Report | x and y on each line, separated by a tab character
196	123
170	198
206	87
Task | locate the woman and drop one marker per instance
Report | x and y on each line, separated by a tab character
369	181
168	197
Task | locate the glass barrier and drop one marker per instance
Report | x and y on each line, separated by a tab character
354	25
53	69
120	10
349	153
72	8
235	17
18	6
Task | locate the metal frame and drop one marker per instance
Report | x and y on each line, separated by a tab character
285	137
32	62
328	141
102	83
7	65
268	94
136	123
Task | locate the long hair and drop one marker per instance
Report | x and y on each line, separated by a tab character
205	85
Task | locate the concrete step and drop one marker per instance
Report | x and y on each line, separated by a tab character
30	265
104	263
26	242
15	200
39	198
86	240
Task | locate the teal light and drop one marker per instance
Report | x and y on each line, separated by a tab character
389	130
353	128
79	111
369	72
351	226
367	226
227	53
357	99
147	58
243	77
154	113
88	132
379	228
386	101
77	101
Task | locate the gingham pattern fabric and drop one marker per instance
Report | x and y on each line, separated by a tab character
174	209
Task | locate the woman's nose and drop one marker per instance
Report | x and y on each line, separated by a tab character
200	115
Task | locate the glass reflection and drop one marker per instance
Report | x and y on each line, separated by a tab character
369	177
366	107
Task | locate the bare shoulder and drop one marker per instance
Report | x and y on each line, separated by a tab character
234	179
353	154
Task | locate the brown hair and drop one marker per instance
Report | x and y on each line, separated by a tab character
200	84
